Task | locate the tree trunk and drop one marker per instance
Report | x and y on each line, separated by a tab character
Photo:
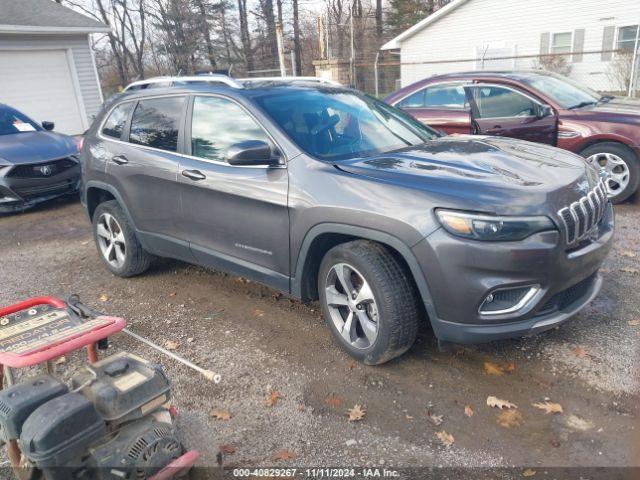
296	39
244	35
272	42
379	19
206	33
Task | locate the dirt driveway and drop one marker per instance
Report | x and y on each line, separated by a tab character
261	342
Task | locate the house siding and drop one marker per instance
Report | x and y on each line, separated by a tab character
83	62
517	27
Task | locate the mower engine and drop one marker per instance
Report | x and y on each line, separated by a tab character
114	424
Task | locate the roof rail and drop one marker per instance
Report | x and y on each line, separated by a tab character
290	79
209	78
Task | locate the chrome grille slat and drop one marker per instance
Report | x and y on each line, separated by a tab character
577	219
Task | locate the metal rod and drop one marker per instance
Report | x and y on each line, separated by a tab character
375	72
208	374
634	64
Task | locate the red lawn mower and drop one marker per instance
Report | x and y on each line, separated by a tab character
113	422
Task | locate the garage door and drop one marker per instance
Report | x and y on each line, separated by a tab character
39	83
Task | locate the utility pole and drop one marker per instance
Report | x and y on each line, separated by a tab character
283	68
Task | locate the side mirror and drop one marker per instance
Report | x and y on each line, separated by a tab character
48	125
251	152
544	111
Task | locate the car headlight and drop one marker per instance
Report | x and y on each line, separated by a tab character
492	228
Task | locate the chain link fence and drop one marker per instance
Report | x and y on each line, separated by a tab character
606	71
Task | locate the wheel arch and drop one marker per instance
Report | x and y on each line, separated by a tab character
323	237
623	142
98	192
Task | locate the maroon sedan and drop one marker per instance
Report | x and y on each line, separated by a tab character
537	106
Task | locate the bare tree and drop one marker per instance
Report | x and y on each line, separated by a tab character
296	38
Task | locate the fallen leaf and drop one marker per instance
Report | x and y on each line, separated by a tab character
171	345
283	455
491	368
352	365
509	418
408	417
628	253
172	294
333	401
510	367
629	270
498	403
468	411
86	242
356	413
272	398
435	419
227	449
104	297
580	352
60	360
528	473
549	407
579	423
220	414
446	438
634	323
258	313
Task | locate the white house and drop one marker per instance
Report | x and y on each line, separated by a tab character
47	69
458	36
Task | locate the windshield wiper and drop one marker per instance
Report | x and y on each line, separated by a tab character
606	98
582	104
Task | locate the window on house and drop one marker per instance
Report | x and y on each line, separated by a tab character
627	37
561	42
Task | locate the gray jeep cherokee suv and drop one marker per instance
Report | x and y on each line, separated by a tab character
325	193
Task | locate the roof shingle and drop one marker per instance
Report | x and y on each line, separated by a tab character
44	16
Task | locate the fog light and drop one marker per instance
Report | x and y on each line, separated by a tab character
508	300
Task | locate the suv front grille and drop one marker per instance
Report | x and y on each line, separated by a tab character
27	193
42	170
577	220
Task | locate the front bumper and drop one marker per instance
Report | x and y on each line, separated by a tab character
17	194
461	273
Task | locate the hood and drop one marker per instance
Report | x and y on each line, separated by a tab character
491	173
35	147
619	109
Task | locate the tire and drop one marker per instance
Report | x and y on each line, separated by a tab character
392	309
128	258
600	153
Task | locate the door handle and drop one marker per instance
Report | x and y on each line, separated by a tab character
119	159
194	174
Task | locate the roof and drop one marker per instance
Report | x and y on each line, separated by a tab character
44	16
422	24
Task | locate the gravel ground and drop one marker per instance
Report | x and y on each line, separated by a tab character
260	342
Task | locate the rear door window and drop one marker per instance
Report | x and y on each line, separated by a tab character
501	102
156	123
114	126
415	100
446	97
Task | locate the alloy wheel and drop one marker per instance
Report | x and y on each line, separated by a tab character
616	168
352	305
111	240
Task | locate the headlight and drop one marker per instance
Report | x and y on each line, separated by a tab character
491	228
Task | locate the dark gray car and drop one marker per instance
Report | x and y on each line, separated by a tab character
325	193
36	164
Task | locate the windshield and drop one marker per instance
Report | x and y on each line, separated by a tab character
332	124
12	121
563	91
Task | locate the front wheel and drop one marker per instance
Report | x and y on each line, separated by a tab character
117	243
621	165
368	301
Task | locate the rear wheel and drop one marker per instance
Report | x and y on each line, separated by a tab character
621	165
368	301
116	240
